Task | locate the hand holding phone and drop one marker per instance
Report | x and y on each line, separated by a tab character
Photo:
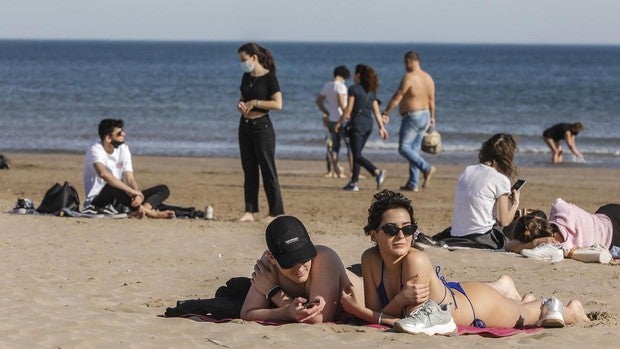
518	184
311	304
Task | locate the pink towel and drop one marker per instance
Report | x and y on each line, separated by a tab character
491	332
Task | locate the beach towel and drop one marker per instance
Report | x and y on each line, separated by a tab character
489	332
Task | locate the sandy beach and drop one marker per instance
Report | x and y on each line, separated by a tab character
100	283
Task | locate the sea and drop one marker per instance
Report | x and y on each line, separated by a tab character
179	98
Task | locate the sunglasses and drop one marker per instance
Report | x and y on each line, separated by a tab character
393	229
117	134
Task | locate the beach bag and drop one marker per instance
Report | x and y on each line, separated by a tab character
431	142
58	197
4	163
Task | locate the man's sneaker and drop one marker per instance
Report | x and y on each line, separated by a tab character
429	319
89	209
407	187
551	313
425	240
351	187
109	209
544	252
380	178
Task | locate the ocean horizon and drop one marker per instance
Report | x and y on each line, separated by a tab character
178	97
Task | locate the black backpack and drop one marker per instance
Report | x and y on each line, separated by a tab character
58	197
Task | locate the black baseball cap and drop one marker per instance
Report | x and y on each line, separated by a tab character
289	242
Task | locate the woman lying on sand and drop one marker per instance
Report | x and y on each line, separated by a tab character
389	265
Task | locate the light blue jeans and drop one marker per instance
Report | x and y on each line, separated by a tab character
412	129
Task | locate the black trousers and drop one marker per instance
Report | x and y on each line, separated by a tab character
257	145
613	212
110	195
358	141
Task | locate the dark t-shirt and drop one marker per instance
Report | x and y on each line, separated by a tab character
557	132
362	113
260	88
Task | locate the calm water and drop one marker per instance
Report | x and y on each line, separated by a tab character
179	98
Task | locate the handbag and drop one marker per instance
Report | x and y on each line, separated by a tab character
58	197
431	142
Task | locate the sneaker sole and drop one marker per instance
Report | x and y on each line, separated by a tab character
552	320
552	323
448	329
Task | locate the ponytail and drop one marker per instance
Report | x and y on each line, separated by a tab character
265	58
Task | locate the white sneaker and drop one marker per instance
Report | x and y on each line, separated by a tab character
551	313
544	252
592	254
429	319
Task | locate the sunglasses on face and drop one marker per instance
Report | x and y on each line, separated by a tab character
393	229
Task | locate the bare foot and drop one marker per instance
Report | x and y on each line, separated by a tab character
247	217
506	287
268	219
159	214
528	297
328	175
573	312
428	175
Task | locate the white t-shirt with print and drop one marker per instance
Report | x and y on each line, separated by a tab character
476	195
117	163
330	91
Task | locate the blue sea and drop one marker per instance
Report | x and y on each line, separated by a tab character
179	98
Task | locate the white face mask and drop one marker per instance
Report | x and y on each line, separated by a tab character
247	67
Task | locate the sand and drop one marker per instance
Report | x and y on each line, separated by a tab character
99	283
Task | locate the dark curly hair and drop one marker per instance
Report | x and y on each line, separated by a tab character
530	227
383	201
368	77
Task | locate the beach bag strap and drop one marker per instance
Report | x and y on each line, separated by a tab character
58	197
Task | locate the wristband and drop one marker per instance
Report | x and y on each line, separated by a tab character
257	103
379	321
272	292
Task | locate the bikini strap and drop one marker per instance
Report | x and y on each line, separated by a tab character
447	287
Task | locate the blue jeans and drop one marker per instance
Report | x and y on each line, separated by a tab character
412	129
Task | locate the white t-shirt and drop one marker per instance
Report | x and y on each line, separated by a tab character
117	163
330	91
477	191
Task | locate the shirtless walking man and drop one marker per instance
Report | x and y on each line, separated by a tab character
416	104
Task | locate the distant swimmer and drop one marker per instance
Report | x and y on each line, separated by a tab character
554	134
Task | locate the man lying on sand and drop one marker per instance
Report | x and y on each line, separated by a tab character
296	281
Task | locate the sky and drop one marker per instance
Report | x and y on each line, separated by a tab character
429	21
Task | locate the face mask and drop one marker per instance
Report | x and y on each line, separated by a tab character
116	144
247	67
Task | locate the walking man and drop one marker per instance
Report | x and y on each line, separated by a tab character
416	104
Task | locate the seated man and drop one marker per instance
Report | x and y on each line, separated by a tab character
109	181
296	281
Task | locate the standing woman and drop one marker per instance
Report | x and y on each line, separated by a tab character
563	131
260	92
362	104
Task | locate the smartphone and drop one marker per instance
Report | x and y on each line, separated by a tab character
518	184
311	304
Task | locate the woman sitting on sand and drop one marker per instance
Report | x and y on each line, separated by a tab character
569	226
387	266
483	198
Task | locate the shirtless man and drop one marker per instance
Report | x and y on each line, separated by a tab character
416	104
296	281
